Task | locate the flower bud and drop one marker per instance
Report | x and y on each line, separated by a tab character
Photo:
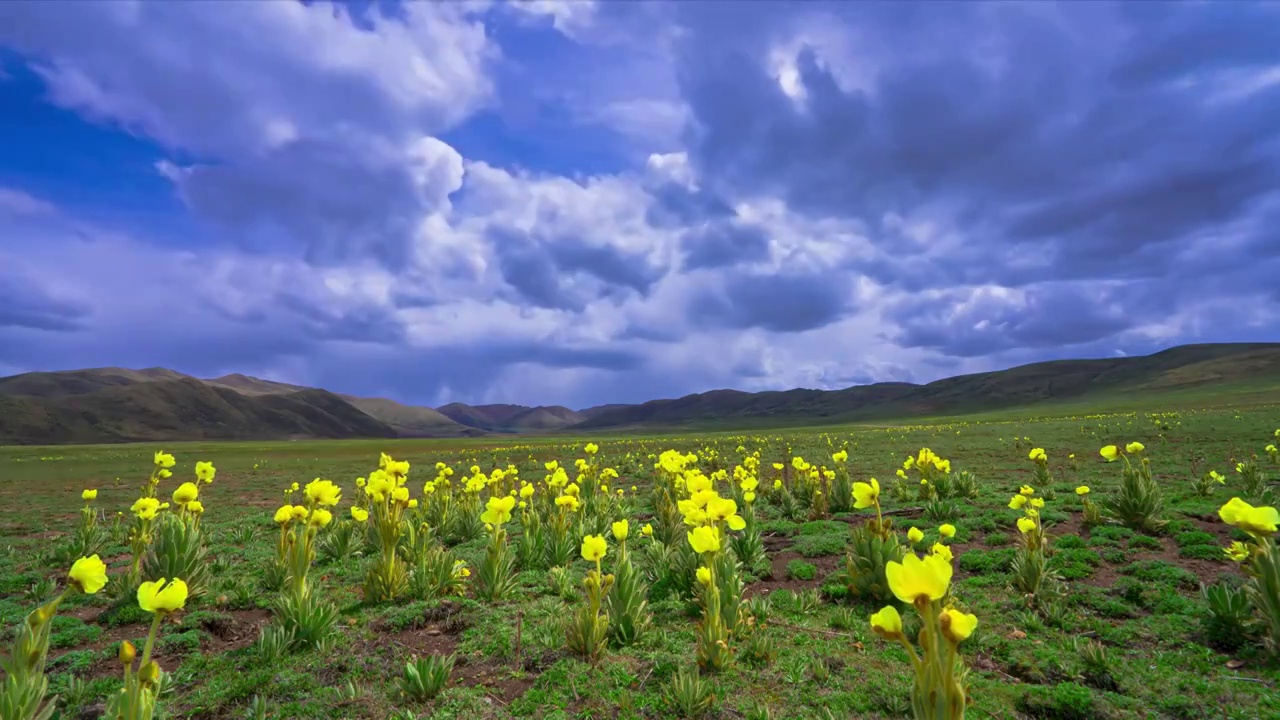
149	672
127	653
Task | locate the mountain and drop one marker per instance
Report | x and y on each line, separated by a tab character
512	418
412	420
71	410
118	405
1182	368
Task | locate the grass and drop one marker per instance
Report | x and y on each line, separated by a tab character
1136	594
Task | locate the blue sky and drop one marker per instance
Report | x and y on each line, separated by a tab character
579	203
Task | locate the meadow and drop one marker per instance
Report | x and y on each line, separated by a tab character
454	591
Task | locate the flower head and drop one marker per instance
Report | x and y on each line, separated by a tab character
1109	453
1027	490
941	550
323	492
1134	448
1237	551
1026	525
594	547
866	494
157	597
620	529
498	510
957	626
1257	521
163	459
1017	501
359	514
647	530
1082	490
146	508
1038	455
915	535
887	623
89	495
914	580
285	513
89	574
947	530
185	493
205	472
319	518
704	539
704	575
195	507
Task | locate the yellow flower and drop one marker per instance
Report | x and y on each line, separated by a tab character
594	547
1254	520
1026	525
1238	551
957	626
526	491
359	514
185	493
400	495
1017	501
591	449
1110	453
704	539
1134	448
89	495
163	459
914	535
647	530
914	580
157	597
947	530
205	472
568	501
620	529
840	456
89	574
195	507
704	575
299	512
1038	455
1082	490
866	495
320	518
285	514
1027	490
146	508
725	510
323	492
498	510
941	550
887	623
777	484
1037	503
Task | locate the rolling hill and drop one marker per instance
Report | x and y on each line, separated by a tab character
118	405
1176	369
512	418
184	408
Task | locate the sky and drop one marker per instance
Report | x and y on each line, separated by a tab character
577	203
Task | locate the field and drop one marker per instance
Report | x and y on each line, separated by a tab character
1128	635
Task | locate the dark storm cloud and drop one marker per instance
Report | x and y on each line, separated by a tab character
973	324
776	302
1087	128
723	243
566	272
24	304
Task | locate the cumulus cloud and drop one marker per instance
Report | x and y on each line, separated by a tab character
596	202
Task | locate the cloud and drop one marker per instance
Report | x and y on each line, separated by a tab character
593	202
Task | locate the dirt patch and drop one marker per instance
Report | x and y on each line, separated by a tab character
234	629
779	581
421	642
1207	571
501	682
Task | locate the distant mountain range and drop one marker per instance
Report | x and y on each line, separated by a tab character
120	405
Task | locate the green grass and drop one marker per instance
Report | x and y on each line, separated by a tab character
1137	594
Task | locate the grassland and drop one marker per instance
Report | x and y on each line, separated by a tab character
1137	594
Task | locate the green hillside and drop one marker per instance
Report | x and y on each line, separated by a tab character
117	405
